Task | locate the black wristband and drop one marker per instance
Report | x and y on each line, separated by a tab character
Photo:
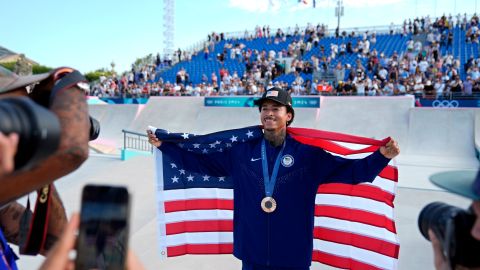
67	81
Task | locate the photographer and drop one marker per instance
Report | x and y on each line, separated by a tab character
466	185
70	107
60	91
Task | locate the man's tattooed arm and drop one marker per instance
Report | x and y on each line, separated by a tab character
71	109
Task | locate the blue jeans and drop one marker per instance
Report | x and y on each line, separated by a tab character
250	266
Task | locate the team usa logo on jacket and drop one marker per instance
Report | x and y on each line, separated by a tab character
287	160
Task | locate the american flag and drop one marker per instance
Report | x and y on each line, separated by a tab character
354	224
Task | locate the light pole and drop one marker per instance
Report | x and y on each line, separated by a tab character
339	13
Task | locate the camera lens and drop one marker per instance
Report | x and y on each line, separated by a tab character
94	128
452	226
37	127
435	216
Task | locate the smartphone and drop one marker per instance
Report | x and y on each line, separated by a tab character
102	241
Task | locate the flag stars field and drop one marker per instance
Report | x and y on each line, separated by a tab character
175	179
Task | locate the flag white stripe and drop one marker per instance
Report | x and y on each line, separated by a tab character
199	238
355	203
353	146
356	228
384	184
162	232
353	156
363	255
197	193
196	215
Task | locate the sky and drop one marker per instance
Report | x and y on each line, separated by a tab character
88	35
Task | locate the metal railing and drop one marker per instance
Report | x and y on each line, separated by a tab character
137	141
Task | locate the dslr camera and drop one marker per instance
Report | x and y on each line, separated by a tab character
38	129
452	227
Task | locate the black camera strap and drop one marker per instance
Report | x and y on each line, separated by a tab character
34	227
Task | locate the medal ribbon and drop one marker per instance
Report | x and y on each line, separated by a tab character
268	181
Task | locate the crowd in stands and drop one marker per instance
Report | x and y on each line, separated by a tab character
421	70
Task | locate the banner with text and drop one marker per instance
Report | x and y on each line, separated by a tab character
298	102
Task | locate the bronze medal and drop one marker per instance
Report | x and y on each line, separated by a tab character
268	204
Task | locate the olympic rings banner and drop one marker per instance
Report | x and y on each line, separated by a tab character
445	103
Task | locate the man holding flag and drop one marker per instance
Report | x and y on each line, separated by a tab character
274	176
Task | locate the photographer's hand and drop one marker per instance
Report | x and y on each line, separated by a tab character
59	255
8	148
438	258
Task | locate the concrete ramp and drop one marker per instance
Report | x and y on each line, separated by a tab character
112	118
442	132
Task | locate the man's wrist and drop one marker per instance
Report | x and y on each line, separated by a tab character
69	79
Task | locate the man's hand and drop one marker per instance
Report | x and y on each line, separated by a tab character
390	150
438	257
8	148
59	256
153	140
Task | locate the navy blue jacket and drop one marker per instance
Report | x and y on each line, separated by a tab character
283	238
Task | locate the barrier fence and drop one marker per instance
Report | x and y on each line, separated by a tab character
136	141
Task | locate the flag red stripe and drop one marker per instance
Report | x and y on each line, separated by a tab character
359	241
200	226
200	249
390	173
198	204
335	136
363	191
340	262
333	147
355	215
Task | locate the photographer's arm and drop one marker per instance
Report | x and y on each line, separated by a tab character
71	108
10	216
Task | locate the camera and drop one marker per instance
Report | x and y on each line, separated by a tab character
38	129
452	226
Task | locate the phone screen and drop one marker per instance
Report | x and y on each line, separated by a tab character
102	241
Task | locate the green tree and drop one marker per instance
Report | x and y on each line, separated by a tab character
36	69
95	75
147	60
